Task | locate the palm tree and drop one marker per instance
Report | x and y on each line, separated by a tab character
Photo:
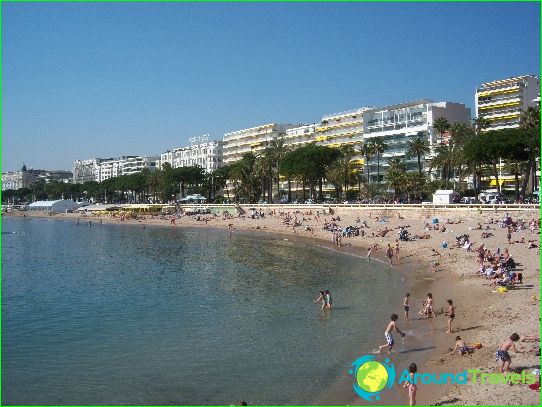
378	147
396	173
278	150
442	125
479	124
367	151
342	171
417	148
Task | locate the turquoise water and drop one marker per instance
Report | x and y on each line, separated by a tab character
114	314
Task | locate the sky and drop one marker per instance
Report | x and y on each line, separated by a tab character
84	80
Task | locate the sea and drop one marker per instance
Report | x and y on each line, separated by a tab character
114	314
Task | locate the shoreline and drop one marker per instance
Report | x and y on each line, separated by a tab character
449	281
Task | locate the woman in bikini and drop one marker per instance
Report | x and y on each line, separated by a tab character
411	383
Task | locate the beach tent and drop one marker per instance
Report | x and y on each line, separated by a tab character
444	196
196	198
61	205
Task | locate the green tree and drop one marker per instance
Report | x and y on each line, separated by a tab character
395	175
442	125
367	152
378	146
418	148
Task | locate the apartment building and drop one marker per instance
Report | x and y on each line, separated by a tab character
25	177
100	169
201	152
254	139
502	102
344	128
400	123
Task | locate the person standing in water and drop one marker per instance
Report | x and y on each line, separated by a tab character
329	300
389	253
406	305
451	316
322	299
392	326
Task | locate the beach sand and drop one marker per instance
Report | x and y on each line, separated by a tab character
481	315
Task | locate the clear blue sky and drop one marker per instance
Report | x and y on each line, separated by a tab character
103	80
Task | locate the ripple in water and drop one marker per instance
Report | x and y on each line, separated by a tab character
120	315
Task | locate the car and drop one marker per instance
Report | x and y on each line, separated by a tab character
469	200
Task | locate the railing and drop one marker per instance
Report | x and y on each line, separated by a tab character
467	207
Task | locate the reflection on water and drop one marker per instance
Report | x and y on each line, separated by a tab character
121	315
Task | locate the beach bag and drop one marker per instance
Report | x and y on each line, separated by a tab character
477	345
502	289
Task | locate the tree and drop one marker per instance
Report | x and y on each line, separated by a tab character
395	174
378	147
530	121
480	124
418	147
367	151
278	150
341	172
442	125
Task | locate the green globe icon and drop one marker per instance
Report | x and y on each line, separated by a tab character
372	377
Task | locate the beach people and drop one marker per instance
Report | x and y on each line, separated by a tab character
503	357
410	384
389	253
451	315
461	347
369	253
429	305
392	326
329	300
396	249
322	299
406	305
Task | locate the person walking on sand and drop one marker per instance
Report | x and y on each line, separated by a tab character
406	305
502	354
389	253
396	249
410	383
392	326
451	316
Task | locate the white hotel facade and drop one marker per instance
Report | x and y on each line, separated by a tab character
201	152
100	169
398	124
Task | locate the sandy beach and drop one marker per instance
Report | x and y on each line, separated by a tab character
482	314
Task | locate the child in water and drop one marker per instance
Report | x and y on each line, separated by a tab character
322	299
392	326
451	315
329	300
406	305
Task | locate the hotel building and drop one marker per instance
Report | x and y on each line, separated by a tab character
502	102
201	152
398	124
100	169
254	139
